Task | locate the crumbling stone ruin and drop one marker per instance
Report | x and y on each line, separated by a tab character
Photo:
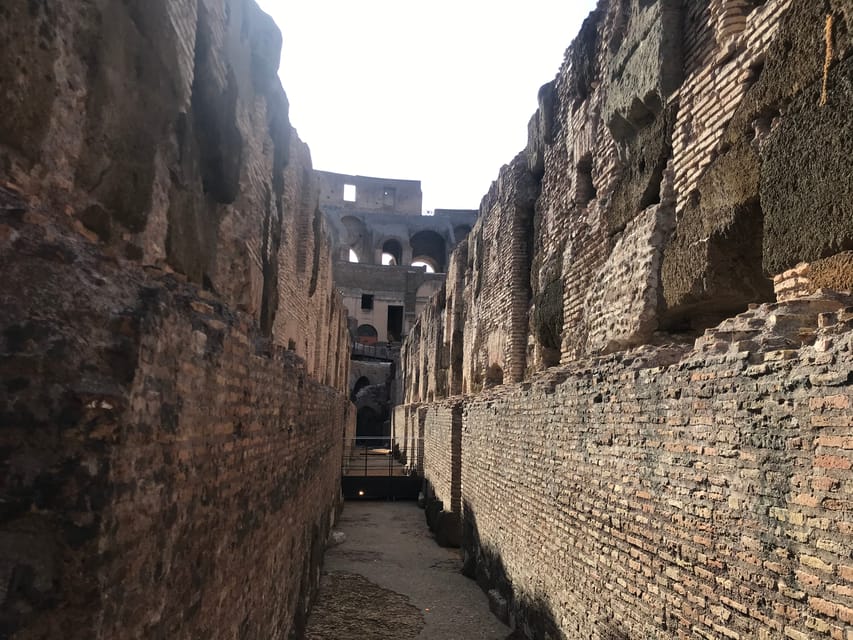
388	261
173	355
630	398
634	395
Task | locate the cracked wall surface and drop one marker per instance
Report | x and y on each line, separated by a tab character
647	331
174	358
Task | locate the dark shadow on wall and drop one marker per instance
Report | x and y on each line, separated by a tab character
531	617
369	423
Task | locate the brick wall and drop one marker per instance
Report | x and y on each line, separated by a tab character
495	324
443	453
168	470
696	482
703	499
408	429
174	358
668	493
616	223
228	502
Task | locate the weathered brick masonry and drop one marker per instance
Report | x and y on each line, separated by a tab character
708	498
173	356
682	205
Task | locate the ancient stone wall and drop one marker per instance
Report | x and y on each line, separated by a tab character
408	431
658	190
495	327
173	355
442	453
683	173
707	498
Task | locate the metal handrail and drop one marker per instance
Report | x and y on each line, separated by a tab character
375	456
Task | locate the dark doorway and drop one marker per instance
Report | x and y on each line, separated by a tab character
428	247
395	324
369	423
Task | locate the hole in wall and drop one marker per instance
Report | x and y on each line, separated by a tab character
494	375
349	193
585	190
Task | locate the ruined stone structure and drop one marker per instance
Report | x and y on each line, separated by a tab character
389	260
173	355
377	224
633	398
630	396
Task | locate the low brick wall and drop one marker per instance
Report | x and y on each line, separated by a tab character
443	453
708	498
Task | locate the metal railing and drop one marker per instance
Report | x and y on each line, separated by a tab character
376	467
382	352
373	456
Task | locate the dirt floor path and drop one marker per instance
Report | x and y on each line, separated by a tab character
389	579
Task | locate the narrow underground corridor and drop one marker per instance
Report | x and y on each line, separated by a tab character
389	579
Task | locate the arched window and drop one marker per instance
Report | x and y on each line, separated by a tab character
392	253
429	248
352	238
359	385
367	334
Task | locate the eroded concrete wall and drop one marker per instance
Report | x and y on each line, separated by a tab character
174	356
694	483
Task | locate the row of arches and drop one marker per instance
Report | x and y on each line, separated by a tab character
425	248
428	249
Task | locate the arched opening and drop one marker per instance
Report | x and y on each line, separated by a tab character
429	248
360	384
353	239
367	334
392	253
426	291
494	375
424	262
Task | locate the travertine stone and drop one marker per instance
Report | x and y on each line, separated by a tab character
622	303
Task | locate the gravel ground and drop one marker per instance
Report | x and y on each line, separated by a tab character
389	579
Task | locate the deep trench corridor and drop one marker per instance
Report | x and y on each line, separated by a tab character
389	579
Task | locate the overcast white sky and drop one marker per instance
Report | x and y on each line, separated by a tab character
437	91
